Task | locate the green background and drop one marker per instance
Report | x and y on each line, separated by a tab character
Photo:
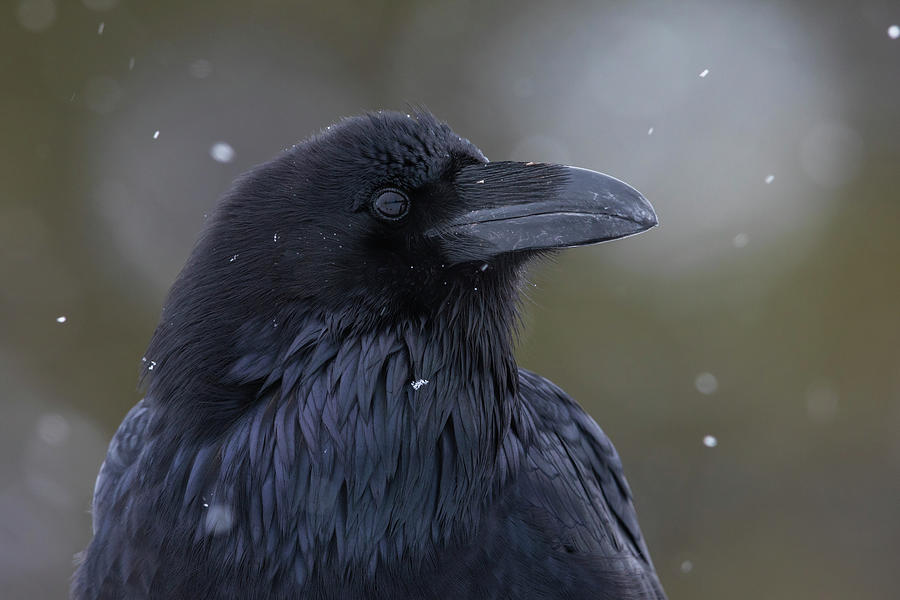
784	296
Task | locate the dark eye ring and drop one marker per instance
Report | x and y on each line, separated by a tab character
391	205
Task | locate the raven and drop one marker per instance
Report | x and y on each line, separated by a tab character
332	406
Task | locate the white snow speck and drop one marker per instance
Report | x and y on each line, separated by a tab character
894	32
704	72
687	566
770	178
710	441
483	267
61	319
100	28
650	131
480	181
275	238
131	63
706	383
156	134
418	383
233	258
53	429
740	240
152	365
219	518
222	152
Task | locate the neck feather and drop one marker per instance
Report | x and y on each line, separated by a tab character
389	436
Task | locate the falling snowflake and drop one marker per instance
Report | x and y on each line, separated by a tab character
706	383
53	429
222	152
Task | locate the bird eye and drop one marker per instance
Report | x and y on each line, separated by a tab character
391	205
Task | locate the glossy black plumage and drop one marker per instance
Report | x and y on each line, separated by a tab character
333	409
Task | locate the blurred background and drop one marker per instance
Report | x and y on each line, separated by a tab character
744	356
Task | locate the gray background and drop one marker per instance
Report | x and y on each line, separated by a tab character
764	314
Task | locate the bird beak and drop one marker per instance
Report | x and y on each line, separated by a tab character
513	206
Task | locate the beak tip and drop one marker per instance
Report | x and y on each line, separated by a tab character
646	215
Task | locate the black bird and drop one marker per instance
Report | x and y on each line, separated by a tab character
332	406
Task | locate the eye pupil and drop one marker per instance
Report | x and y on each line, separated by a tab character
391	204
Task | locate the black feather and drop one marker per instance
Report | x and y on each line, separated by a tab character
333	409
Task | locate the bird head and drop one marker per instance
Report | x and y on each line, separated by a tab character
391	212
379	218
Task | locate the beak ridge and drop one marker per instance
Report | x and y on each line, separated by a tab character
531	206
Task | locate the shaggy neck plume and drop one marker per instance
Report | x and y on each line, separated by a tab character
391	436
